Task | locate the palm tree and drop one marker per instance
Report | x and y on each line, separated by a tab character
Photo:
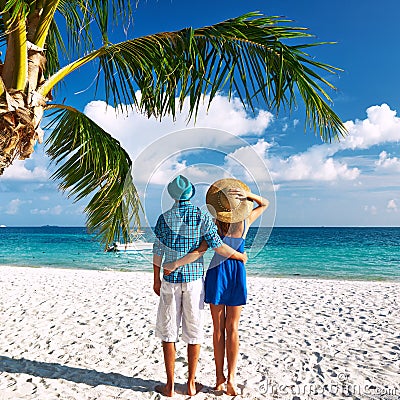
248	56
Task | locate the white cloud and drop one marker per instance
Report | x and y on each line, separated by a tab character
318	163
312	165
391	164
19	172
160	150
184	151
248	162
323	162
76	210
171	167
371	210
381	126
231	116
14	205
56	210
135	131
392	206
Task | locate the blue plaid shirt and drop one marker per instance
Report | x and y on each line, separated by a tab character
179	231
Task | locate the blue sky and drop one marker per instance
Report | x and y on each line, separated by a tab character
351	183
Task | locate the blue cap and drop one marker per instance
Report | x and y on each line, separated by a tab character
181	188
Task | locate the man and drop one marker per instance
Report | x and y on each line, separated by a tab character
179	231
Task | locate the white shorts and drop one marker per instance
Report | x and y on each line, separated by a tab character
181	301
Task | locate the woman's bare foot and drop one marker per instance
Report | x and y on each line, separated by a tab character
194	388
164	390
220	382
231	389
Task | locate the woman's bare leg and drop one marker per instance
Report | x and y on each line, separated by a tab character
232	345
218	317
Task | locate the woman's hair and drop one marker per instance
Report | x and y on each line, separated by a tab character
226	227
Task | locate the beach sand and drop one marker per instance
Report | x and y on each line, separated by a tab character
78	334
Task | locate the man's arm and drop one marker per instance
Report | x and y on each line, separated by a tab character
156	270
158	253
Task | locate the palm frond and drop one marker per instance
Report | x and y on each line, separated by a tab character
54	44
247	56
91	162
10	12
15	9
121	12
3	36
84	17
99	11
78	27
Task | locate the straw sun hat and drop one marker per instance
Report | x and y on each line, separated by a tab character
225	207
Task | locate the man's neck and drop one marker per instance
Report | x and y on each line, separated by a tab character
181	202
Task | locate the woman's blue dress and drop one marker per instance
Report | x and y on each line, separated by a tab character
225	281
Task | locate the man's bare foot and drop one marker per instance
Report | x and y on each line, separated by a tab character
231	389
220	382
164	390
194	388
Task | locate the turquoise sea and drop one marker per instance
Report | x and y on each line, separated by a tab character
334	253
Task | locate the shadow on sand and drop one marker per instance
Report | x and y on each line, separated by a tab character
90	377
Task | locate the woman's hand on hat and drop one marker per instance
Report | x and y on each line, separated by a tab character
239	193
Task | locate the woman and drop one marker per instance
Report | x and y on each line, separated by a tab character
230	201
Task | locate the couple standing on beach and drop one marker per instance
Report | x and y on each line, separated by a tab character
183	234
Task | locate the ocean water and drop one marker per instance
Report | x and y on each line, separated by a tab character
333	253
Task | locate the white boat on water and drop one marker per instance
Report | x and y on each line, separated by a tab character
137	243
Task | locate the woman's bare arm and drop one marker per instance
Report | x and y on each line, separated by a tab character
262	203
187	259
223	250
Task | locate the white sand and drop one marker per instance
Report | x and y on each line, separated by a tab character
68	334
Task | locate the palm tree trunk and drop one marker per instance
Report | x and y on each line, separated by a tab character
21	107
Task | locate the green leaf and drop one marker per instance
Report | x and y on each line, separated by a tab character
247	56
54	43
91	162
15	9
